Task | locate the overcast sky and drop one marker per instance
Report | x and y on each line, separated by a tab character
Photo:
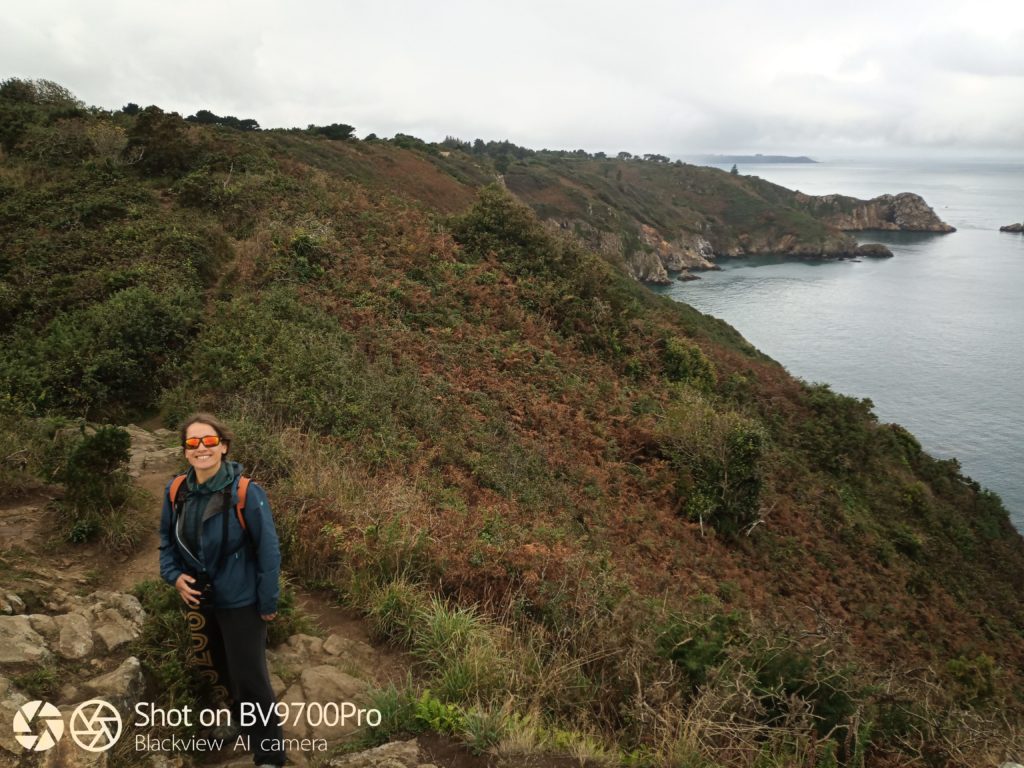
682	77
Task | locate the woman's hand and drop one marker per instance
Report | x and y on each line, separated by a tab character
268	616
189	595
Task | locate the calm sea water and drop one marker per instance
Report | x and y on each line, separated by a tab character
932	336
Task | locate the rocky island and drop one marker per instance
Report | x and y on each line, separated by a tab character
1012	228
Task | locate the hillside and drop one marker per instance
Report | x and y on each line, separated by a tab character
673	547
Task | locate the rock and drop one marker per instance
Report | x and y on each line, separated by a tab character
687	276
397	754
306	645
122	687
278	685
44	625
9	706
335	645
324	684
163	761
20	643
125	604
874	251
647	267
1012	228
75	640
906	212
67	754
113	630
11	604
688	251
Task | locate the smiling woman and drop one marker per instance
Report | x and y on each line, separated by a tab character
219	548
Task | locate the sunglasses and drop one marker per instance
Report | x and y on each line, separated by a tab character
210	441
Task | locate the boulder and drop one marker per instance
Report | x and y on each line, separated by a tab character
11	604
10	702
305	645
112	630
123	687
75	641
874	251
20	643
397	754
45	626
335	645
323	684
67	754
1012	228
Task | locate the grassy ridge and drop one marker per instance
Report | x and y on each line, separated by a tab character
662	532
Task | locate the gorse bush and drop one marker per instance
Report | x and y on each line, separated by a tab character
718	457
107	359
95	477
684	362
97	500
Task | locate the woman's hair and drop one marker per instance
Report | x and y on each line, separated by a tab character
222	429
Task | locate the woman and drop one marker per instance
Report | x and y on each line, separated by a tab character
224	559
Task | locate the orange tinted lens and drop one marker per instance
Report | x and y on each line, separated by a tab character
210	441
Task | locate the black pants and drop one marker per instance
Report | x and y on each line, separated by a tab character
229	646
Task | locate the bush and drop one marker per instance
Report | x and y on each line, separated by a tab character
158	140
98	496
717	456
684	362
95	478
501	225
107	359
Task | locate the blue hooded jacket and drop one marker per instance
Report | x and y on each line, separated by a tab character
250	573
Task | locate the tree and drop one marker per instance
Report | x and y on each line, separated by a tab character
334	131
131	108
624	156
734	170
206	117
158	139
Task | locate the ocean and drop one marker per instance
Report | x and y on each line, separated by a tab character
932	336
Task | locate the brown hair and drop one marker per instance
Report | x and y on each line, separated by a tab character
222	429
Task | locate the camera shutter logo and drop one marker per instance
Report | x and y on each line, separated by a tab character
95	725
48	722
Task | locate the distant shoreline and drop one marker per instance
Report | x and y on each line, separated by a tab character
726	159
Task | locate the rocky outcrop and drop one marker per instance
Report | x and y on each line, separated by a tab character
874	251
83	634
688	251
1012	228
654	259
906	212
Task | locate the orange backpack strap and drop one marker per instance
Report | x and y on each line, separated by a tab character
243	488
175	487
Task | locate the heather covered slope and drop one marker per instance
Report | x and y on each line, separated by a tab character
666	533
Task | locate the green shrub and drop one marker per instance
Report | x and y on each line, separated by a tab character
717	456
105	360
99	501
501	225
95	478
697	645
684	362
788	671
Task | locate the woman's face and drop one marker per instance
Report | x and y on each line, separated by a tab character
205	460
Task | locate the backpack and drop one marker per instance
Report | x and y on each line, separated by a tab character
243	487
